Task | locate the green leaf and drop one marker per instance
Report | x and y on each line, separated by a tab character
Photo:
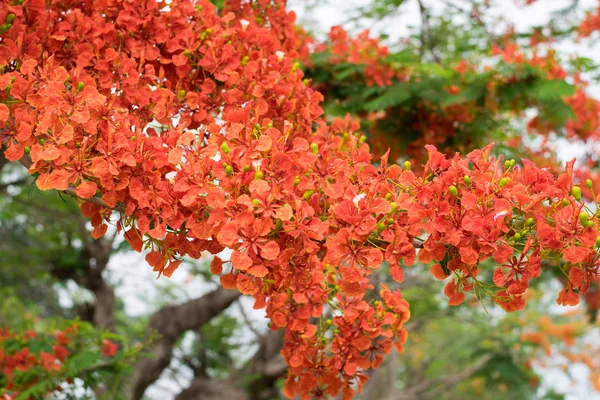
551	90
395	95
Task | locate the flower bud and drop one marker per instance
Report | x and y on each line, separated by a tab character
576	192
467	180
588	183
502	182
314	148
583	218
246	168
229	170
529	222
259	175
453	190
407	165
225	148
307	194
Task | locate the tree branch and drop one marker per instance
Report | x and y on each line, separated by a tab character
171	322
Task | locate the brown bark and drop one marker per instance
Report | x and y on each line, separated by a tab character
170	323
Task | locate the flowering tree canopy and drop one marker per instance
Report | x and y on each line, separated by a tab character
195	130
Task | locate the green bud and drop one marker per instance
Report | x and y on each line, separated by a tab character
78	145
390	221
576	192
306	82
565	202
296	181
507	164
278	224
132	137
529	222
512	162
502	182
229	170
407	165
388	196
259	175
523	233
307	194
256	202
246	168
225	148
10	18
314	148
328	322
517	236
257	126
296	66
598	241
187	53
362	139
588	183
380	227
583	218
590	224
394	206
467	180
453	190
42	141
27	149
270	125
376	303
80	86
181	94
245	60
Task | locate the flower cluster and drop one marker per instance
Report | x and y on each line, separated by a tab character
200	129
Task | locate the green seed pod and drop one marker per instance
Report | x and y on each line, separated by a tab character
259	175
314	148
583	218
225	148
517	236
576	192
529	222
453	190
407	165
502	182
229	170
588	183
467	180
307	194
246	168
